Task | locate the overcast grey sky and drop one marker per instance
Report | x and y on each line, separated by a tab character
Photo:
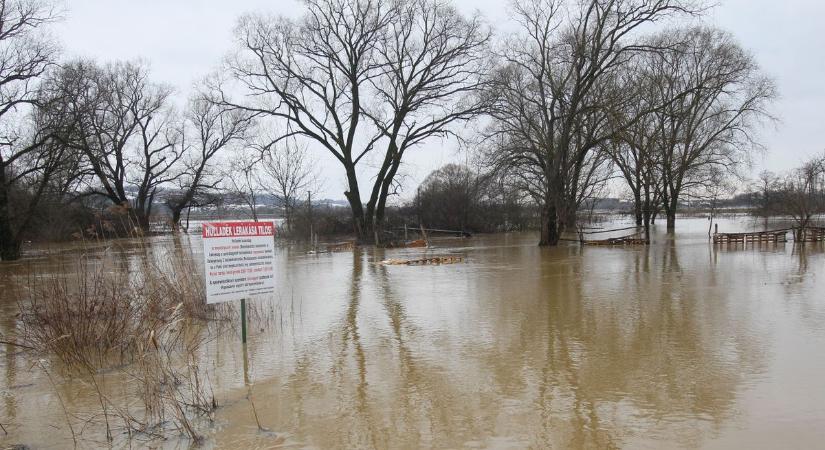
185	39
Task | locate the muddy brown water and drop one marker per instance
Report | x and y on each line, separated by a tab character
677	345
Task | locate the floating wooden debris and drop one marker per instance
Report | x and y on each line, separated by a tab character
424	261
631	239
754	236
406	244
341	246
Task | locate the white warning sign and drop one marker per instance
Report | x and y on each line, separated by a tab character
239	260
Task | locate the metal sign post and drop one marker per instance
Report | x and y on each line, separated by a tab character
243	320
239	262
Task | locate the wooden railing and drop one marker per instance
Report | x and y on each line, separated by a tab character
799	234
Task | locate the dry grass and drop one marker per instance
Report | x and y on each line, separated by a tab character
146	325
98	318
141	322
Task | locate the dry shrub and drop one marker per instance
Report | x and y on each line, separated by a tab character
148	325
86	319
172	386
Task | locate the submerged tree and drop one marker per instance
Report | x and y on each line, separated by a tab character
286	172
208	130
355	76
124	130
27	160
635	147
763	189
712	95
555	94
801	194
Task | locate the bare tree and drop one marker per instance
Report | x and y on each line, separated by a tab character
801	194
764	187
713	95
556	97
433	62
207	131
355	75
27	163
240	179
720	184
635	147
286	172
311	74
125	132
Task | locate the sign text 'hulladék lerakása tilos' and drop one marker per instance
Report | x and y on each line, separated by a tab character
239	260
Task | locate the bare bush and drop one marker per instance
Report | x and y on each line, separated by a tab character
148	327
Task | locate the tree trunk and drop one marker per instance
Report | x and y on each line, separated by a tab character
360	223
288	219
9	241
9	244
637	198
671	220
569	220
549	225
647	226
176	213
647	214
140	220
670	209
188	210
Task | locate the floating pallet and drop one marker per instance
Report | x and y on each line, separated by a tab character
424	261
341	246
406	244
750	237
631	239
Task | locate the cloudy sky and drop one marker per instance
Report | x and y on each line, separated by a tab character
185	39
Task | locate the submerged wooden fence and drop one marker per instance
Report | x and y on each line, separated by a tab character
752	236
800	234
809	234
636	238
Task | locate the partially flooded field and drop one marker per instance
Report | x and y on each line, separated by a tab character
680	344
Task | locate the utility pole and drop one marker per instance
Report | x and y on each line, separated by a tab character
309	214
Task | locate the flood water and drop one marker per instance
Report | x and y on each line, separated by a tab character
676	345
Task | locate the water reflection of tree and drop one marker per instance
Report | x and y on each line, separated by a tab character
386	386
800	284
637	352
803	252
364	431
552	349
424	398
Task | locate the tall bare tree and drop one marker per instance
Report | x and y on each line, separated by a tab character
125	131
353	76
635	147
241	180
26	161
286	172
713	94
555	96
208	130
434	64
801	194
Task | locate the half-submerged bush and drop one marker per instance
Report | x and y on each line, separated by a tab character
145	323
95	317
